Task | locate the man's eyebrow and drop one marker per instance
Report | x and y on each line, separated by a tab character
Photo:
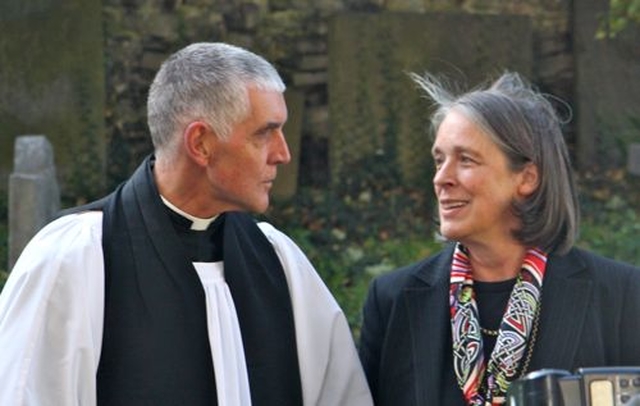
272	125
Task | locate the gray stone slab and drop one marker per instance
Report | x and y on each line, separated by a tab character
633	160
34	197
378	119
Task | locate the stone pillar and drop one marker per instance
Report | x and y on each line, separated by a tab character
33	192
379	119
607	89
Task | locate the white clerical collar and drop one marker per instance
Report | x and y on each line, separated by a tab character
197	223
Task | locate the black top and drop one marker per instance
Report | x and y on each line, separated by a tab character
492	299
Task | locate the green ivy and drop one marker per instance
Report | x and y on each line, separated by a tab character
621	14
611	228
3	278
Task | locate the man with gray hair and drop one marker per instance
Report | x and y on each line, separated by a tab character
167	291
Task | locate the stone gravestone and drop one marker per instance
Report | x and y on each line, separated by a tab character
379	122
52	82
33	192
633	164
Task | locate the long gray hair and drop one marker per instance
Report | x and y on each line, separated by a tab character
526	127
208	82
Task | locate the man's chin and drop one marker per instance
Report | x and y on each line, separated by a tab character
261	208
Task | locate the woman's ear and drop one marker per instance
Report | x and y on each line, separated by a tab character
529	181
198	138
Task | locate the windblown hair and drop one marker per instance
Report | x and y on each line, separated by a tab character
526	127
208	82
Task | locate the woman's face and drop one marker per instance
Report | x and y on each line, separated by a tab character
474	185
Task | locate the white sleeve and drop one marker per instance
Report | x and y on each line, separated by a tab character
330	369
51	313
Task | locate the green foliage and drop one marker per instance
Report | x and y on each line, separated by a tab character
357	233
4	238
613	232
347	265
611	215
621	14
3	278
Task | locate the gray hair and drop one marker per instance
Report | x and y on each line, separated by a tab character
208	82
526	127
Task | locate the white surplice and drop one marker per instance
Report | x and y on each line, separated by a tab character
51	320
230	367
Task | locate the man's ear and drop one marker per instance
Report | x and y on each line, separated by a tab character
529	180
198	139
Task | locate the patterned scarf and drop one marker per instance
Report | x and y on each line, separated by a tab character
487	382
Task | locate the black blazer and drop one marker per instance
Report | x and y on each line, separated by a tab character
590	316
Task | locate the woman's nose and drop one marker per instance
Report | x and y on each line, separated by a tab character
444	174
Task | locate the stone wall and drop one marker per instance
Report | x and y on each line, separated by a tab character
57	87
293	34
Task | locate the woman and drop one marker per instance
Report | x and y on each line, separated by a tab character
509	294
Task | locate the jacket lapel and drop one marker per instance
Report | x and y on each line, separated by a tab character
430	329
565	300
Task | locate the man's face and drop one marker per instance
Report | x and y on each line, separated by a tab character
243	167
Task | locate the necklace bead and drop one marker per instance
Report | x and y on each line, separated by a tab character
489	332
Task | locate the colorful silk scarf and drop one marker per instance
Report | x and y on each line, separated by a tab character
487	382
